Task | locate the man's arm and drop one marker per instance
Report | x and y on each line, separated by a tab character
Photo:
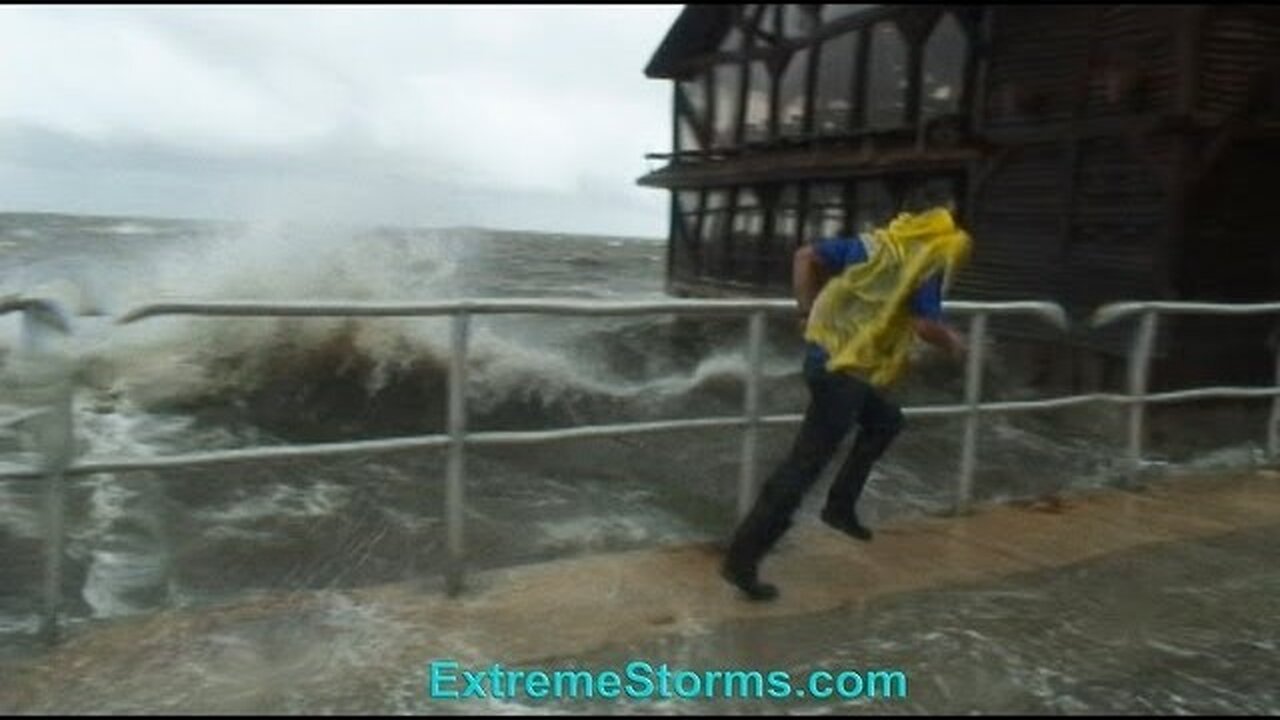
808	275
926	309
937	333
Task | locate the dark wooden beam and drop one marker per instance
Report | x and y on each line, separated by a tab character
916	26
764	49
803	164
974	99
1071	142
1188	33
740	120
684	109
861	63
811	88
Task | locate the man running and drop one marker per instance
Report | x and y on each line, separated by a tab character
863	300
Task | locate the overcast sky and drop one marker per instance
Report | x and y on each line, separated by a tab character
525	117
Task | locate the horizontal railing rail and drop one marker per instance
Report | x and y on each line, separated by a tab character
1143	346
38	314
1112	312
41	318
1051	312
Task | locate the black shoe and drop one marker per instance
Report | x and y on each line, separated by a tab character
847	524
749	585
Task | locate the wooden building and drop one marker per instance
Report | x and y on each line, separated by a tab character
1096	152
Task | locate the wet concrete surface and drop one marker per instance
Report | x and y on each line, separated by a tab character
1160	601
1184	627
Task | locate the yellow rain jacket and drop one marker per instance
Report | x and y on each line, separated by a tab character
861	317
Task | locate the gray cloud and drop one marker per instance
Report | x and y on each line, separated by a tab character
534	116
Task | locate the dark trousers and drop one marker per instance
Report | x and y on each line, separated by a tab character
836	401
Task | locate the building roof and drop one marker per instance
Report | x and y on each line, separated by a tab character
698	29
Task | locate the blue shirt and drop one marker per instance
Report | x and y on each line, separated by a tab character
838	253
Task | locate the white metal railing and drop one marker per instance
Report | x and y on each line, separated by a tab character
43	321
1140	364
43	318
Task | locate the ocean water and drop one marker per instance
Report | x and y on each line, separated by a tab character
143	541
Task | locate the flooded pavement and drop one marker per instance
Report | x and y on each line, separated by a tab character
1186	627
1160	601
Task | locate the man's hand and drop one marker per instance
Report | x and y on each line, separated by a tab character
959	346
808	275
943	337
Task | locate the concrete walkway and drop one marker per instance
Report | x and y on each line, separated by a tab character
365	650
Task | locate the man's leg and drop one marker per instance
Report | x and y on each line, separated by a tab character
878	424
827	420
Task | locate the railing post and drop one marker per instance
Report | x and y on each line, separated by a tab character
751	411
454	500
57	453
972	397
1139	369
55	443
1273	435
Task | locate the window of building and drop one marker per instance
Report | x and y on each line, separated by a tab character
757	112
687	138
798	21
875	205
831	13
786	218
736	39
791	94
748	233
930	193
695	94
767	28
776	269
826	210
758	17
748	218
727	88
945	56
715	216
833	104
715	224
688	206
887	78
